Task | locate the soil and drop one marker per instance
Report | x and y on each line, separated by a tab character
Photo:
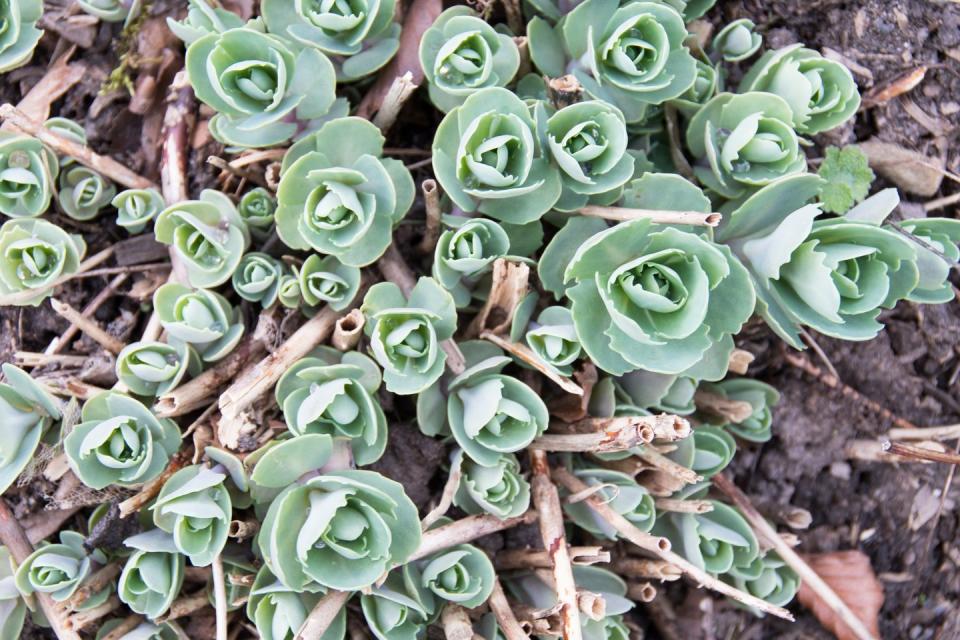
888	511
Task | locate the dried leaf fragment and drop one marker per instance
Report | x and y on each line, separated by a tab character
851	576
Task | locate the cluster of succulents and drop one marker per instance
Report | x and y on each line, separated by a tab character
567	189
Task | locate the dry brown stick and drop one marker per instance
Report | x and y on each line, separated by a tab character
243	529
765	531
920	453
45	523
88	326
446	499
944	432
665	465
641	591
220	598
811	369
431	203
397	95
658	216
676	148
648	569
15	540
178	121
509	625
348	330
152	488
722	407
59	78
523	353
81	619
23	297
228	168
322	615
660	547
785	514
546	499
60	343
610	434
683	506
509	285
186	605
465	530
127	625
64	146
456	623
94	584
534	559
33	359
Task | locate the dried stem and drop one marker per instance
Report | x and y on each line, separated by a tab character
508	559
507	289
740	360
23	297
920	453
456	623
33	359
152	488
658	216
523	353
88	326
348	330
178	121
870	450
446	499
546	499
465	530
509	626
667	466
186	605
660	547
82	619
91	307
641	591
684	506
64	146
604	435
786	514
431	202
220	598
722	407
514	16
243	529
322	615
399	92
94	584
945	432
766	532
44	524
15	540
676	148
128	624
648	569
228	168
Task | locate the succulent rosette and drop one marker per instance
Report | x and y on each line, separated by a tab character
262	89
67	128
653	298
707	451
136	208
278	611
152	575
744	141
112	10
208	235
621	492
26	411
21	34
257	278
289	293
257	208
465	252
462	574
631	56
34	254
13	608
360	36
119	441
737	41
761	397
488	158
57	569
588	141
84	192
328	281
833	275
553	338
334	393
715	541
28	170
201	318
405	333
143	631
342	530
936	236
338	196
195	507
554	10
461	54
498	489
656	392
202	18
767	577
704	87
152	369
400	608
821	93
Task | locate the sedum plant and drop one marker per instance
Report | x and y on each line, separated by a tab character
405	333
341	530
201	318
26	412
202	18
767	577
143	631
737	41
152	575
112	10
328	281
631	56
461	54
262	88
707	451
400	608
465	252
13	608
654	298
208	235
744	141
66	128
57	569
21	34
488	158
553	338
334	393
195	507
338	196
588	141
359	36
498	489
619	491
151	369
257	278
84	192
119	441
646	390
762	398
278	611
934	236
462	574
28	170
136	208
704	87
820	93
257	208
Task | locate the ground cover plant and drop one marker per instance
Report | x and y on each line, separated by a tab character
541	298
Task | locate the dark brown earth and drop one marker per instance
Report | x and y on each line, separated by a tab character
888	511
